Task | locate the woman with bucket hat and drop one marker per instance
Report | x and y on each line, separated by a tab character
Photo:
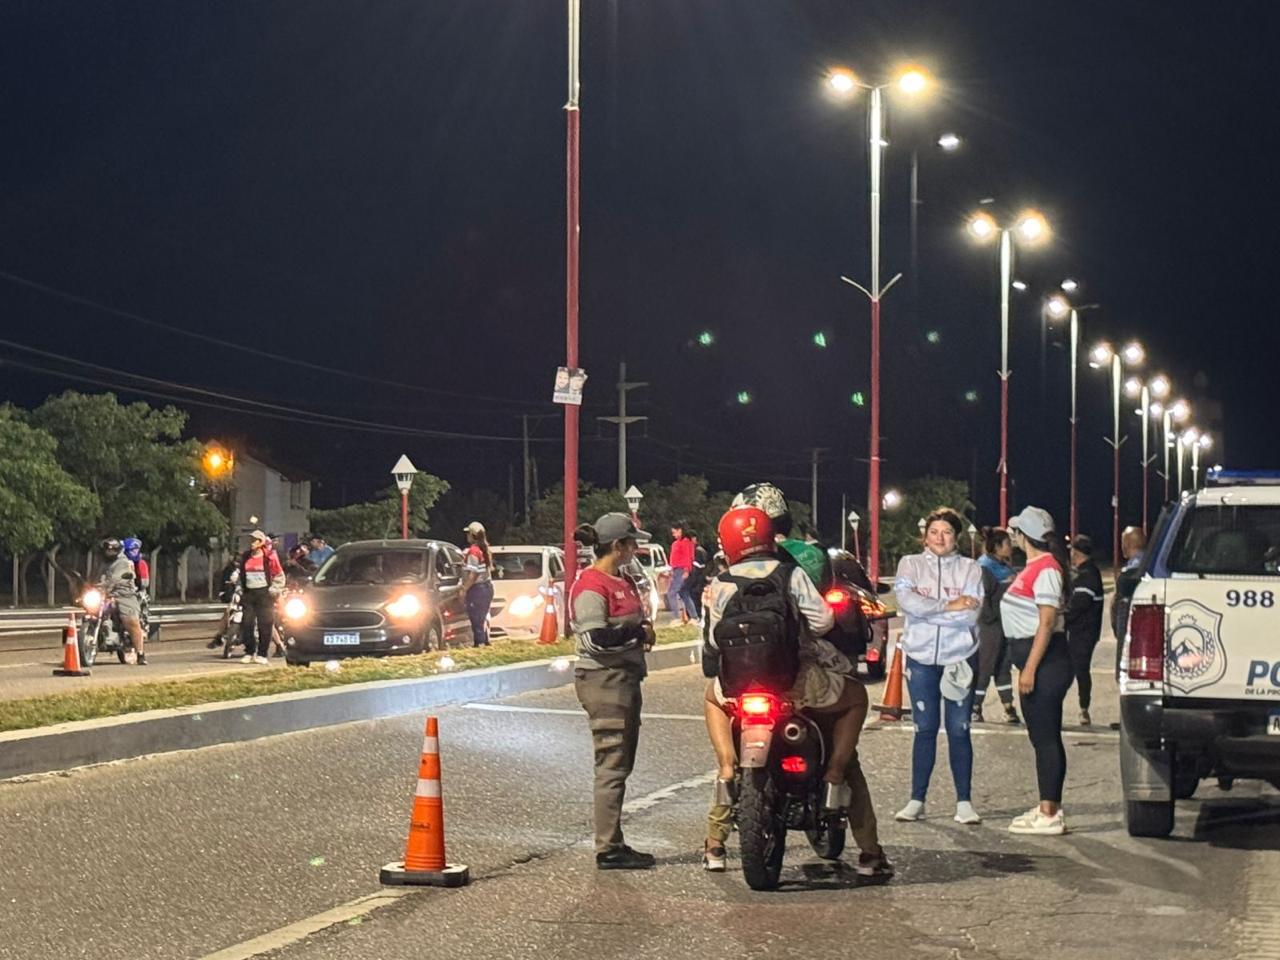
1031	614
612	633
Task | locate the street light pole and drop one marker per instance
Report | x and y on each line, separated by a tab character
1006	271
573	128
1115	445
873	470
1146	460
1075	349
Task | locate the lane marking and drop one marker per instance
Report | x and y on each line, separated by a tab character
362	907
905	726
561	712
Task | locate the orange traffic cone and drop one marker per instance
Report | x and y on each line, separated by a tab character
550	633
891	710
424	862
71	651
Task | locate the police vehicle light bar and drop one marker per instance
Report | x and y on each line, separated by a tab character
1218	477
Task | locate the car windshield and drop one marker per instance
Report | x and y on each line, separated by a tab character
374	566
1228	539
645	556
517	566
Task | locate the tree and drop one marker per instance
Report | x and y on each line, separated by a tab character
546	523
379	518
134	460
37	496
900	527
457	508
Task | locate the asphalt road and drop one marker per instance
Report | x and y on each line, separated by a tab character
186	855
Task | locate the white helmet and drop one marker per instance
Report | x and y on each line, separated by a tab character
763	496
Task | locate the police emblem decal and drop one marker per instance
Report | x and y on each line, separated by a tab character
1196	657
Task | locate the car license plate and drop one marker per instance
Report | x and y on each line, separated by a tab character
1273	723
342	639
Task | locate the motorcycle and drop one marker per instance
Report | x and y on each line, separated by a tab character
232	617
861	628
100	629
782	757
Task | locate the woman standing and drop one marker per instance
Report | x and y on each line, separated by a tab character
1031	613
612	633
477	582
261	582
940	591
993	648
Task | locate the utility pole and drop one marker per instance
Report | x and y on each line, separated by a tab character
813	494
624	387
524	422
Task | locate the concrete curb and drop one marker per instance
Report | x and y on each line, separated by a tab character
67	745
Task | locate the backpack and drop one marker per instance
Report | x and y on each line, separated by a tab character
758	635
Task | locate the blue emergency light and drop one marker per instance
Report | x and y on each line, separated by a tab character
1218	477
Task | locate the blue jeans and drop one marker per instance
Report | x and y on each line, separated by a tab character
929	709
677	598
479	599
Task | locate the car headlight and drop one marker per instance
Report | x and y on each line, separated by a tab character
523	606
404	607
295	608
92	600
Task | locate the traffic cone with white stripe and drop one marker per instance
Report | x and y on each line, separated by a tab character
550	633
892	710
71	651
424	861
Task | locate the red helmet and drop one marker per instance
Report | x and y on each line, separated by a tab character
745	532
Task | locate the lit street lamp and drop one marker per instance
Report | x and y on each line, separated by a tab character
910	81
1030	228
1203	442
633	496
404	471
853	522
1176	412
1157	387
1103	354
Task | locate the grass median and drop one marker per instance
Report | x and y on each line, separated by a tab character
113	701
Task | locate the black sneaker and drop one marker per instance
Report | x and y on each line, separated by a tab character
142	659
1011	714
214	644
874	866
624	858
977	713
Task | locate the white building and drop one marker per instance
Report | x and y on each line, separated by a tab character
270	497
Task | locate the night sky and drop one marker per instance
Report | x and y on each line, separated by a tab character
378	187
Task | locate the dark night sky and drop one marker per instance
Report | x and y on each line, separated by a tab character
378	187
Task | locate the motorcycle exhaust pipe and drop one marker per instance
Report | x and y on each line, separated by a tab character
794	733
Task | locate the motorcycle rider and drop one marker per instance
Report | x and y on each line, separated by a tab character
120	582
826	683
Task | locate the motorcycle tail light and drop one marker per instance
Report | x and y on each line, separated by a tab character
794	765
759	708
873	655
836	598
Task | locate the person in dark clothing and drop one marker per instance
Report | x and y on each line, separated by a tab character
1133	545
993	646
697	579
261	582
1083	619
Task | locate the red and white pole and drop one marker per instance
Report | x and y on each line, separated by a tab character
573	127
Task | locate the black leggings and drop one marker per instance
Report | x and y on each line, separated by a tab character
1080	647
259	608
1042	712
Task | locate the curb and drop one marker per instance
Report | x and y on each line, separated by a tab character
68	745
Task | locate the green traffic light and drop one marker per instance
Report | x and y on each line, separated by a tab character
857	399
971	396
933	336
820	339
706	338
744	397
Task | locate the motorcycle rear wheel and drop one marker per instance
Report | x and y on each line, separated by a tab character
761	831
828	838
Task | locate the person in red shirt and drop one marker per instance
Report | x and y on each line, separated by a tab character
262	580
682	552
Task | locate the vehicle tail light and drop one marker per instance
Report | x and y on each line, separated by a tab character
1146	642
872	609
795	765
873	655
759	708
836	598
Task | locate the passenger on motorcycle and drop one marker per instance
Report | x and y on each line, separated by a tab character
120	582
133	550
825	683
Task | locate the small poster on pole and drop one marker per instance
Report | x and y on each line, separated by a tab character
569	384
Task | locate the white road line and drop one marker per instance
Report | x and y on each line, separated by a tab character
905	726
361	907
557	711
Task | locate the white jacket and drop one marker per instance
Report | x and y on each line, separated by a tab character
924	585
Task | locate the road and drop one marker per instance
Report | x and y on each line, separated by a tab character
185	855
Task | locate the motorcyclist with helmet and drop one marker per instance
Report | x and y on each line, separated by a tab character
132	548
826	681
120	582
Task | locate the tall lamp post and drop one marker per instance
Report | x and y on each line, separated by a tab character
1058	307
1176	412
1144	390
911	81
853	523
404	472
1203	442
1030	227
1104	355
1185	441
633	496
573	128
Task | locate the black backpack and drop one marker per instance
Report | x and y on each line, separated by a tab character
758	635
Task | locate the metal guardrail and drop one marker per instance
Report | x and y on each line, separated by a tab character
27	621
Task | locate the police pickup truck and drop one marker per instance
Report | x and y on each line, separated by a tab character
1200	667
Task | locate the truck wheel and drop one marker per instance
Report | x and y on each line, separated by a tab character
1148	818
761	830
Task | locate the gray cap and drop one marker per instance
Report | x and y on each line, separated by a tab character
1033	522
614	526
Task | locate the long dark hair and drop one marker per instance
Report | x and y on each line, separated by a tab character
587	536
1052	544
992	537
481	540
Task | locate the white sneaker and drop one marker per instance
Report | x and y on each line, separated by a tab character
966	814
914	810
247	658
262	660
1037	823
